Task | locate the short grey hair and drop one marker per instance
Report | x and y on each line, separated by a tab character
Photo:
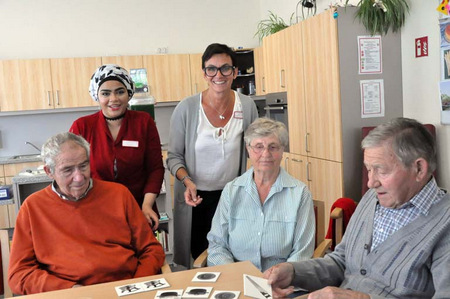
52	147
409	139
263	127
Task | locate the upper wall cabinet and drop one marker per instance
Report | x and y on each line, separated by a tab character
127	62
168	76
25	85
70	79
36	84
259	71
198	82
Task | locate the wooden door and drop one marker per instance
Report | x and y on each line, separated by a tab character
71	78
272	46
198	82
25	85
293	65
258	56
127	62
168	76
325	180
322	87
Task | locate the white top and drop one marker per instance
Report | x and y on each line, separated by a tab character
217	150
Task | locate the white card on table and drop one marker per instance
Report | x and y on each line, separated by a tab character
206	277
155	284
197	292
169	294
225	295
257	287
129	289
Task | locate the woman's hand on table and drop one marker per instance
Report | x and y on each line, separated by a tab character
280	277
147	210
337	293
190	194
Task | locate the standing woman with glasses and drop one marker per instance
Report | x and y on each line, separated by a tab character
125	144
206	150
264	216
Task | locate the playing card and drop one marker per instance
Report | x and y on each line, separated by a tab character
169	294
225	295
257	287
197	292
206	277
129	289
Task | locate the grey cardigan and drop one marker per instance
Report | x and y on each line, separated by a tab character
412	263
181	153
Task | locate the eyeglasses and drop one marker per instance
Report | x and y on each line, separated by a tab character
272	148
225	70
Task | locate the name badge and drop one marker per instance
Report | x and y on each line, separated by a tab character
130	143
238	114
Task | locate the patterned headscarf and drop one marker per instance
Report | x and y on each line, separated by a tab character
110	72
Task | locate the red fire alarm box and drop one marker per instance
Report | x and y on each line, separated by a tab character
422	46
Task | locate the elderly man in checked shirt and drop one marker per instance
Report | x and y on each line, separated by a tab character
397	244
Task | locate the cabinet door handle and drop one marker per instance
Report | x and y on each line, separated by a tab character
49	99
57	97
282	79
195	88
297	160
263	81
308	177
306	143
286	164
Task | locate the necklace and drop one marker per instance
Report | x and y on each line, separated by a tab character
221	114
114	118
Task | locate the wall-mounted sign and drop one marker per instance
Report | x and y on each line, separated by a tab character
422	46
369	54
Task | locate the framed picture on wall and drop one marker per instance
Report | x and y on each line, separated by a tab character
445	63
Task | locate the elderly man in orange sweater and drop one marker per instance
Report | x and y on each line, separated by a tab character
79	231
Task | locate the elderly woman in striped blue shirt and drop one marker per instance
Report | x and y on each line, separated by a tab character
265	216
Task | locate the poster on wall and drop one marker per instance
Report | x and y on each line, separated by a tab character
445	63
369	54
444	92
372	98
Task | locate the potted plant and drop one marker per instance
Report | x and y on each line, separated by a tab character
271	25
378	16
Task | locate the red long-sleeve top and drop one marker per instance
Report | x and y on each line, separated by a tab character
136	150
100	238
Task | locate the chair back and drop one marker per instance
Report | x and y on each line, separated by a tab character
322	244
4	247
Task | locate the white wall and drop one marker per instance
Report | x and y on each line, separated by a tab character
79	28
421	78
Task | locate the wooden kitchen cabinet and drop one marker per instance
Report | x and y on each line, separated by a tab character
25	85
198	82
258	55
274	65
168	76
324	98
70	80
127	62
323	178
322	87
36	84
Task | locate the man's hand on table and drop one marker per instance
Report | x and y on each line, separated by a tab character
280	277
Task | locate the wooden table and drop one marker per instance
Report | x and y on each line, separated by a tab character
231	279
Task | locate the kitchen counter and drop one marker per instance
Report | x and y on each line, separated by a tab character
20	159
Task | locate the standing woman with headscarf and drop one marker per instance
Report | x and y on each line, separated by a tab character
125	145
206	150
